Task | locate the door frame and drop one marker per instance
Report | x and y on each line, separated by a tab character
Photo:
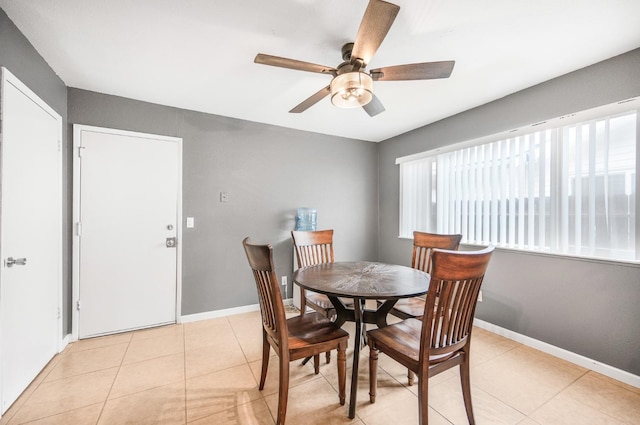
6	77
77	137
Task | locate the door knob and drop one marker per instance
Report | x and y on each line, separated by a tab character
10	262
171	242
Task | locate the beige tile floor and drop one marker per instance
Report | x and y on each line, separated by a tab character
207	373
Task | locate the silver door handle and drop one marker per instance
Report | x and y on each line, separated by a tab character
10	262
171	242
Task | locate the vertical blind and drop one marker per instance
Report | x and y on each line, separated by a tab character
568	190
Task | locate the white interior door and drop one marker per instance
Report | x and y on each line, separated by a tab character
31	237
129	207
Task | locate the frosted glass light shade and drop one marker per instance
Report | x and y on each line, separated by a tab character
351	89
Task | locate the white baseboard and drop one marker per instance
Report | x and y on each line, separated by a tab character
64	342
596	366
226	312
218	313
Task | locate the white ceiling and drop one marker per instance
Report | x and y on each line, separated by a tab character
198	54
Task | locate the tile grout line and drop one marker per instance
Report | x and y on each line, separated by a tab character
248	363
104	404
577	401
244	354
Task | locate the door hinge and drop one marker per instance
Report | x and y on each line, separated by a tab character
80	151
79	228
59	145
58	313
78	305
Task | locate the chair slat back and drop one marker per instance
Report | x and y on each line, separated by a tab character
271	306
448	318
424	243
313	247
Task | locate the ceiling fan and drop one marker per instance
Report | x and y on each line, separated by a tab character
351	85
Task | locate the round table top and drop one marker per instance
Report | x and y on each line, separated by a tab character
363	279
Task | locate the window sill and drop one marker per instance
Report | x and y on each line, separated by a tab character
582	258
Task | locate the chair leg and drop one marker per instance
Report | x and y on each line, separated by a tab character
283	389
316	364
423	400
266	348
342	372
331	315
303	301
410	377
373	373
465	382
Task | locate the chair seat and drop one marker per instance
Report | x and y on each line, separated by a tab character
407	308
404	339
311	329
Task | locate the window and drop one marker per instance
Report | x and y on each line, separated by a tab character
559	187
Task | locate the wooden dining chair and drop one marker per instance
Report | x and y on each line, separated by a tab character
423	246
312	248
441	338
291	339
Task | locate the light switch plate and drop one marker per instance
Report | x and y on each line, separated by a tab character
190	222
224	196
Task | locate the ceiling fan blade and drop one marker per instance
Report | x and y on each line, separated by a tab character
374	107
414	71
311	100
374	27
293	64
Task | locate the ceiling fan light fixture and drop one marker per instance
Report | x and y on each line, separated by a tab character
351	89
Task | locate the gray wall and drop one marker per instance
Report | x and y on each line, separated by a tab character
587	307
268	172
19	57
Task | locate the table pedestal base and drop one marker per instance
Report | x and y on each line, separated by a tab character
360	316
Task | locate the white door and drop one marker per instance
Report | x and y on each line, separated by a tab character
128	222
31	237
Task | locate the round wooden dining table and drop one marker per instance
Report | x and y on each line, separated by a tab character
359	281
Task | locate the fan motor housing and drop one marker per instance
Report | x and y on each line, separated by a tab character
346	52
